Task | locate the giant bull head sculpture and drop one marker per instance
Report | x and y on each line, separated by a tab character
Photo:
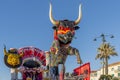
64	30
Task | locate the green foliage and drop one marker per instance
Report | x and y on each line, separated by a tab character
115	78
105	77
105	51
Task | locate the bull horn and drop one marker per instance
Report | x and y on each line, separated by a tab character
51	17
5	51
79	16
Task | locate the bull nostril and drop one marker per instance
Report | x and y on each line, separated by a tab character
69	34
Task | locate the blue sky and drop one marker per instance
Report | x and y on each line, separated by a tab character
26	23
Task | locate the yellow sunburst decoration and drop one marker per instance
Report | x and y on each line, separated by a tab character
13	59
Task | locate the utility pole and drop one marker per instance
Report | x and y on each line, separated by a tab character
103	41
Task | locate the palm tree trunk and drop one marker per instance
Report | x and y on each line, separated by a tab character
106	66
103	65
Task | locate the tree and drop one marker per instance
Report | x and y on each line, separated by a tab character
115	78
105	77
104	52
100	55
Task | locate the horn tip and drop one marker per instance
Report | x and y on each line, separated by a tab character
80	6
50	4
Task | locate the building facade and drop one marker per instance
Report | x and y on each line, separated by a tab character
113	70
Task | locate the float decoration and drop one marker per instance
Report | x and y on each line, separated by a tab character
11	58
64	31
33	63
32	57
29	61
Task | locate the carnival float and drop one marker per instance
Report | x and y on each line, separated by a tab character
29	61
35	64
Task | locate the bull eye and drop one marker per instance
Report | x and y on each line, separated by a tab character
61	28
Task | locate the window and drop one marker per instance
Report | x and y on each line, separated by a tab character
112	75
118	68
112	69
95	74
118	74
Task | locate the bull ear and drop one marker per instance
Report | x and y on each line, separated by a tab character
54	27
76	27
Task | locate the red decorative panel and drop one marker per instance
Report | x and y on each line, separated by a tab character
32	52
83	70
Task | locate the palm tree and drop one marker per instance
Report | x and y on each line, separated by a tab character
104	52
101	57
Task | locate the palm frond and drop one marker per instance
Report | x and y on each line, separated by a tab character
105	50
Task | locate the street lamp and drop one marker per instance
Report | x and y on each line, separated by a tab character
103	37
103	41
